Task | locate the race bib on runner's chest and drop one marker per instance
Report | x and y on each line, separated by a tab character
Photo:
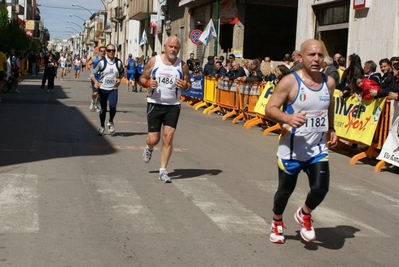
167	80
316	121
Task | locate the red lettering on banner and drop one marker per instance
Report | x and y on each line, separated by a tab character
356	123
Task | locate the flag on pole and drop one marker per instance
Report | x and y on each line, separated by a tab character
143	39
208	33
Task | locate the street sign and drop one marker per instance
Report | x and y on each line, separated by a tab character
194	36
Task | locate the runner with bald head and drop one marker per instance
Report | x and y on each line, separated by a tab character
307	114
164	75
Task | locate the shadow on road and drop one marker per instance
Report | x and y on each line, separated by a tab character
190	173
36	126
330	237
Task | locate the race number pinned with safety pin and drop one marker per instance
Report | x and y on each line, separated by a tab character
316	121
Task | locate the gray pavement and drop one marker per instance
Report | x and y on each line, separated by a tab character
69	197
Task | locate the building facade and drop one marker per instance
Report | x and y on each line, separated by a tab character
247	28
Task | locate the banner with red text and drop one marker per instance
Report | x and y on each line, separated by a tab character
390	150
355	120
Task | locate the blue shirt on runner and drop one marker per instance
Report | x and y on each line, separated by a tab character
130	66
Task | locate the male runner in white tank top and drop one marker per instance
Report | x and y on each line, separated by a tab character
164	75
308	113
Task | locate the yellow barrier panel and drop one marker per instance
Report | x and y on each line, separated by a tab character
209	100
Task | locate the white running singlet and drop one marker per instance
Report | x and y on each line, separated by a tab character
108	75
63	62
308	140
166	93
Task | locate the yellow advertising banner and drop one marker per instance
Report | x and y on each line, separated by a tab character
355	120
264	98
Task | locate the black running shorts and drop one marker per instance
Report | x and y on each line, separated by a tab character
158	115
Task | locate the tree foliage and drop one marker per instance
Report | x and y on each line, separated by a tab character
12	36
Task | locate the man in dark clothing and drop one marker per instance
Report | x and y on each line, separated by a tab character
209	68
392	90
329	69
255	75
237	72
220	71
387	77
190	62
370	69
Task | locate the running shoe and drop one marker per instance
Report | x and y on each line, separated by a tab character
163	176
111	128
277	232
97	109
92	105
147	155
305	221
101	131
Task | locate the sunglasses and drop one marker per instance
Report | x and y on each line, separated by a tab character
111	50
102	51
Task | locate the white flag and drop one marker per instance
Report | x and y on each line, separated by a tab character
208	33
143	39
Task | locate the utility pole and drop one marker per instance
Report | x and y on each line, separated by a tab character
147	25
215	48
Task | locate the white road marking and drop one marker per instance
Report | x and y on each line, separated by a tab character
19	203
116	202
226	212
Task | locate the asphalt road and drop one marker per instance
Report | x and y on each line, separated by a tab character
69	197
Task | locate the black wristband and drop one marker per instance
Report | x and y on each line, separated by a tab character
331	128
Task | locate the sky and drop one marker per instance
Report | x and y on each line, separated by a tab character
56	14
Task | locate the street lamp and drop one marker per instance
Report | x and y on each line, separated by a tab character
75	24
91	13
72	15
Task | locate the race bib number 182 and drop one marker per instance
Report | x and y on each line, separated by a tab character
316	121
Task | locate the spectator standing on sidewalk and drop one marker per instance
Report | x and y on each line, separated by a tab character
236	72
111	73
33	63
164	75
190	63
220	71
307	96
50	69
209	68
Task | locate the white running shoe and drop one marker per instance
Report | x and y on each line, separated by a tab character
305	221
163	176
147	153
111	128
101	131
277	232
92	105
97	109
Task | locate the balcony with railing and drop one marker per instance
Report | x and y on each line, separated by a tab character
138	9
